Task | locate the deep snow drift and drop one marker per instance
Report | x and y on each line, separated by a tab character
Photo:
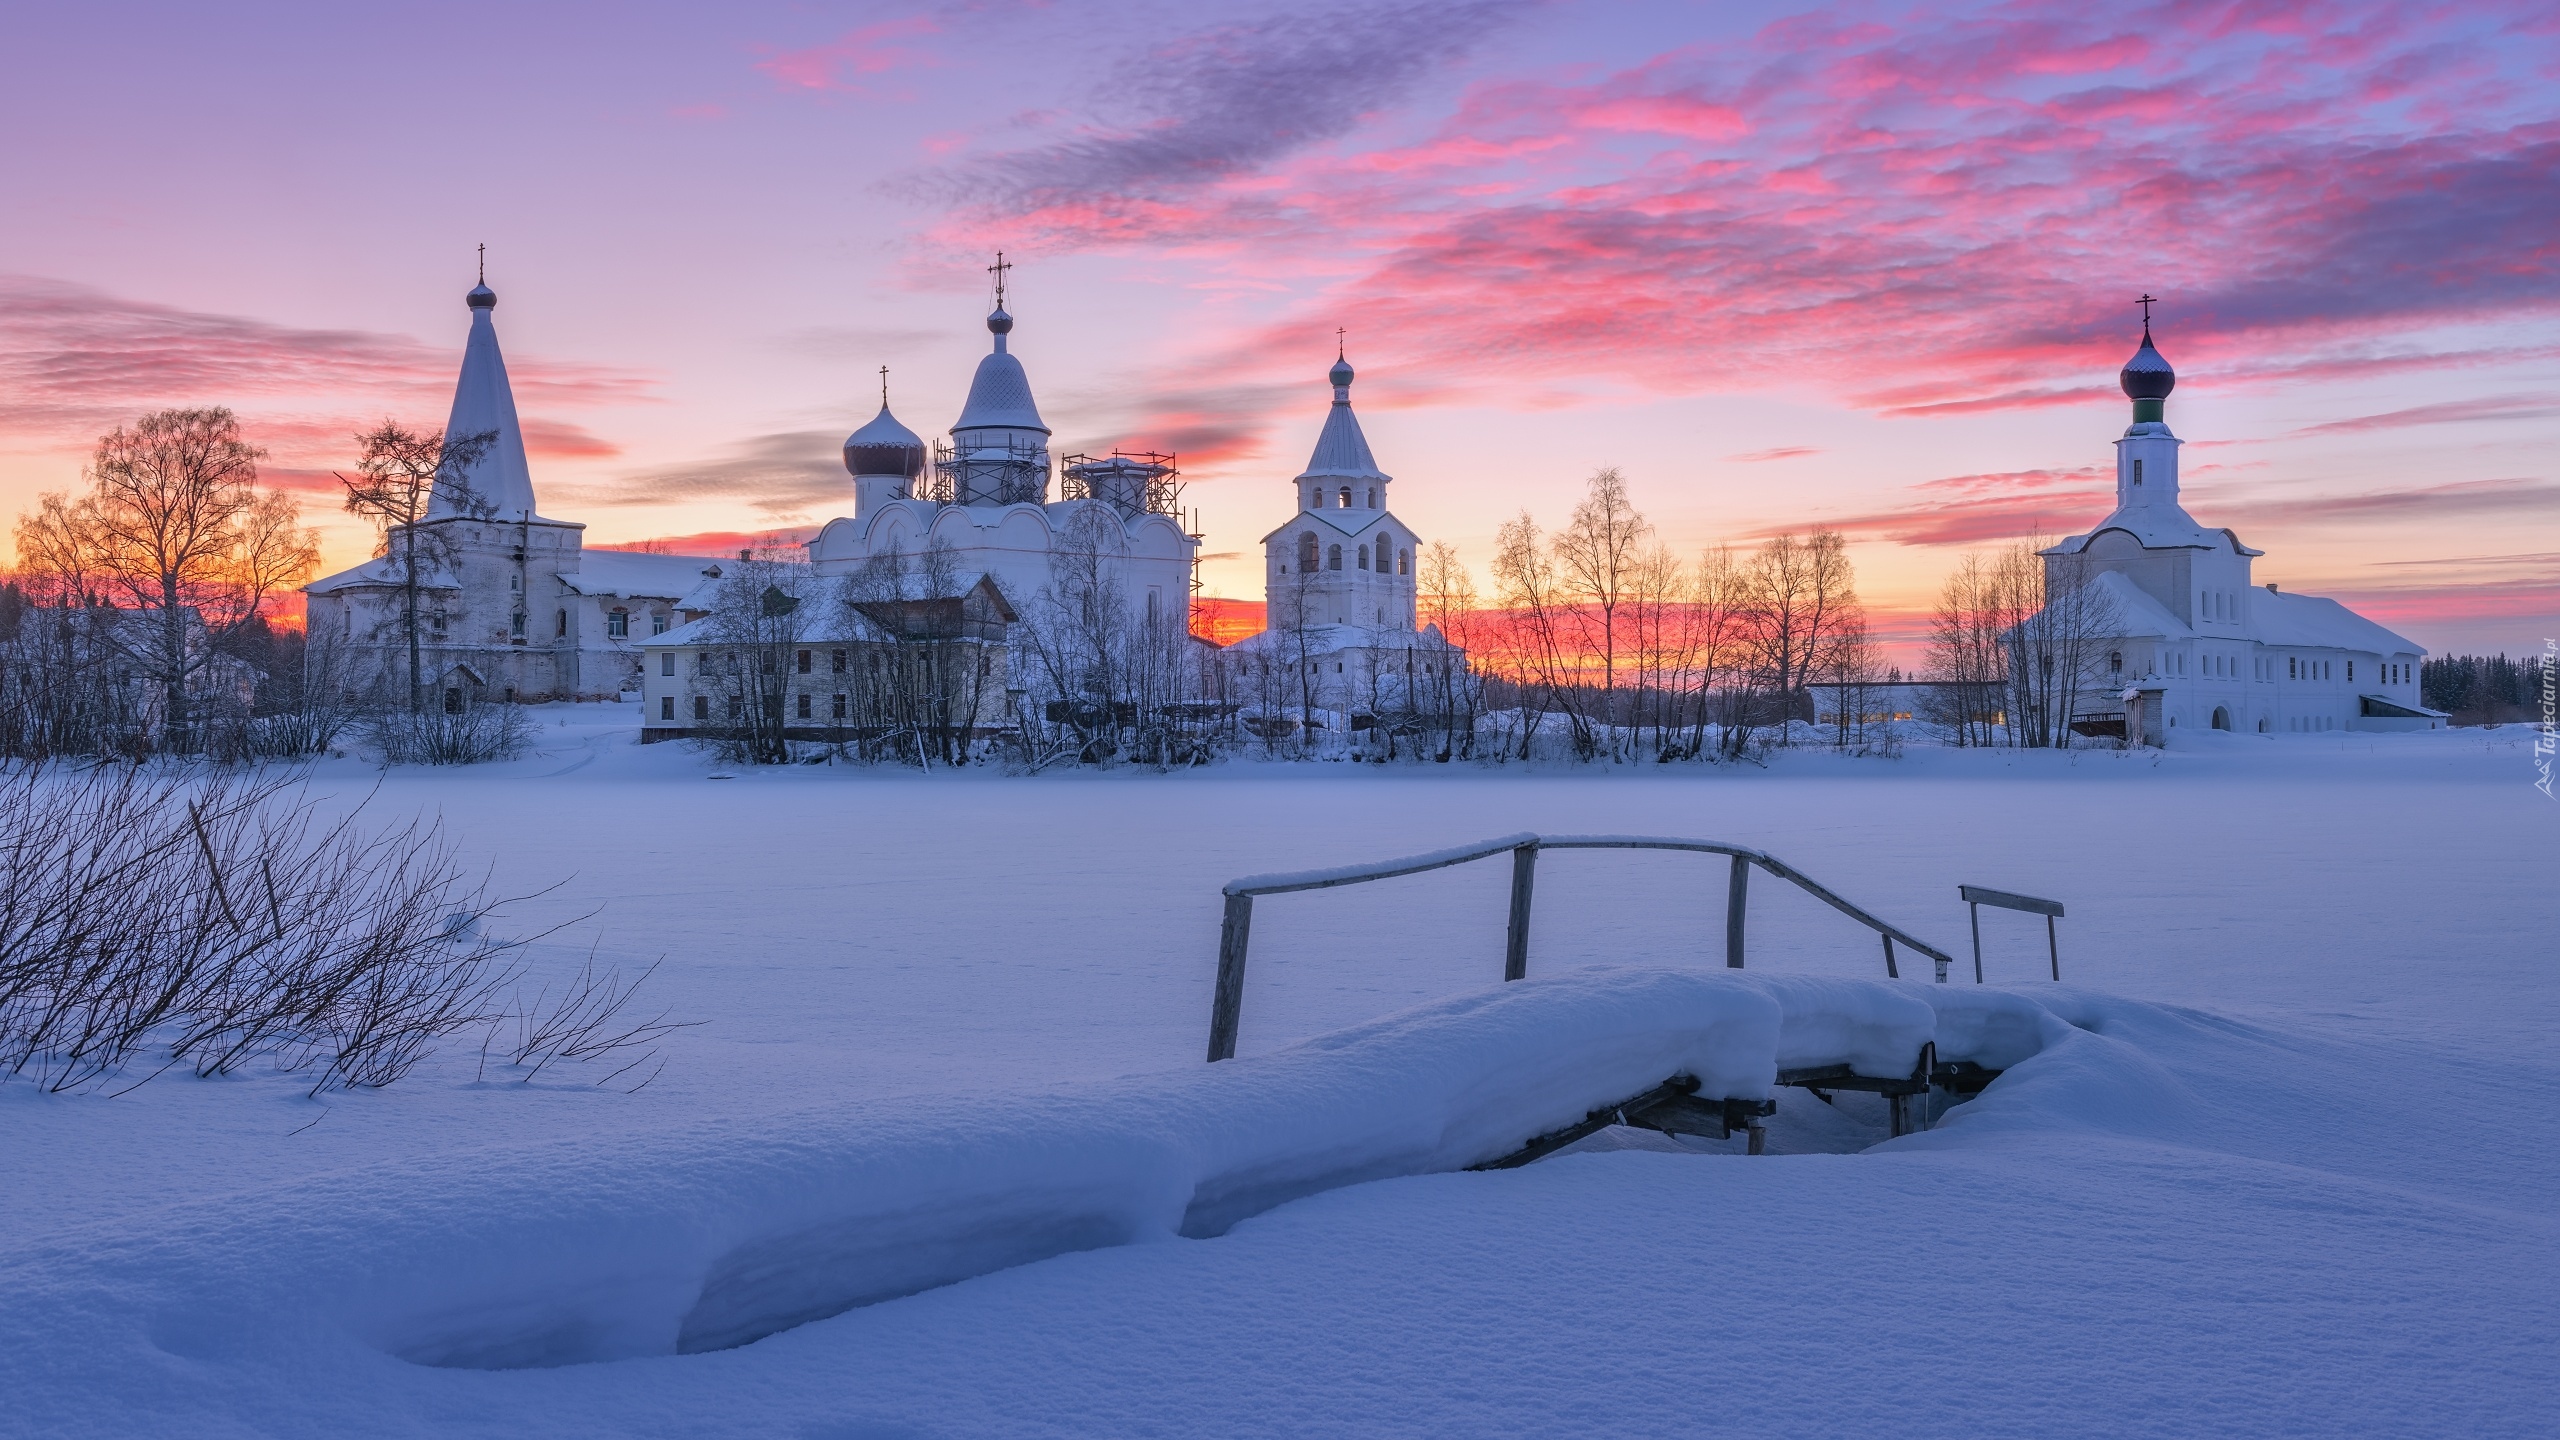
2321	1203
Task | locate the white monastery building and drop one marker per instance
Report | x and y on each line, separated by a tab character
984	508
2202	646
513	606
1339	577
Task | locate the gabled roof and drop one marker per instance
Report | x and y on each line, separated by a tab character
1376	518
633	575
2316	621
382	571
2141	616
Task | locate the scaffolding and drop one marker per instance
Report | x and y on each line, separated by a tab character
1136	482
1001	472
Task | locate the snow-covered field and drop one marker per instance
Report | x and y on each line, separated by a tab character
2292	1166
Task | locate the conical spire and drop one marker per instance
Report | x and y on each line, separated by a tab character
1341	450
499	486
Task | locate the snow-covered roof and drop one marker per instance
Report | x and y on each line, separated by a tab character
629	574
1347	523
2142	616
383	570
500	485
2316	621
1329	639
2158	527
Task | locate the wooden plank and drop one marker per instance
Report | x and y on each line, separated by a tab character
1737	895
1984	895
1226	1011
1539	1147
1524	878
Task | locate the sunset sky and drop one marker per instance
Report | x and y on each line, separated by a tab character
1868	266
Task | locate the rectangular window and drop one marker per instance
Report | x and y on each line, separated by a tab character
737	707
666	707
657	624
701	707
666	662
617	623
835	662
2351	670
803	660
515	625
839	707
804	707
564	623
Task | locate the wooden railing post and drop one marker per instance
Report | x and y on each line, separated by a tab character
1737	894
1524	877
1227	1010
1890	973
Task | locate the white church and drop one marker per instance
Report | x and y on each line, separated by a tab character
1339	596
980	504
513	607
2201	646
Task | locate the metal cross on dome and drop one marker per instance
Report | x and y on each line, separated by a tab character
997	270
884	387
2146	302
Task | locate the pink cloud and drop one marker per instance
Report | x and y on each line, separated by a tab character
871	50
1782	452
1926	220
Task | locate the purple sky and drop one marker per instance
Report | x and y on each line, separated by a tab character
1870	266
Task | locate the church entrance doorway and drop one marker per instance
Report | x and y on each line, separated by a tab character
2221	718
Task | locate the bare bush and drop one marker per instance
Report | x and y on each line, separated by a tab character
218	920
585	1022
471	735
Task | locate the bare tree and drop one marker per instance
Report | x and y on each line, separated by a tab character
396	477
2056	650
174	528
1450	606
1597	555
1714	614
1799	592
1533	602
761	614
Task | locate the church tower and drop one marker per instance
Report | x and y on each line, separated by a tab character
1345	559
2147	455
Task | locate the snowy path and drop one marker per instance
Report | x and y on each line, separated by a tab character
2322	1201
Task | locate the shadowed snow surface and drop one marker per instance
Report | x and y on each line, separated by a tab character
2279	1160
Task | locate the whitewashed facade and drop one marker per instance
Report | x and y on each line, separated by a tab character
513	606
2201	645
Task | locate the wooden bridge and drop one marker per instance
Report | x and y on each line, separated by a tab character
1674	1107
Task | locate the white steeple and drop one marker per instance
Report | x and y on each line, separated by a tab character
1342	460
499	486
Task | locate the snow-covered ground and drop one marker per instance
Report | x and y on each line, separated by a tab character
2294	1168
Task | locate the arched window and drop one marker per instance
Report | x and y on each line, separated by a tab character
1333	557
1364	555
1346	497
1382	554
1306	552
1404	562
2115	661
1315	497
1373	497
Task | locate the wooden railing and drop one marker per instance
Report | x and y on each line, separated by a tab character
1235	933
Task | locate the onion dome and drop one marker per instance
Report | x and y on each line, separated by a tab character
884	447
999	322
481	297
1340	374
2147	376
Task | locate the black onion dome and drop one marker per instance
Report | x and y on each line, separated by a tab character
2146	376
1340	374
884	447
999	322
481	297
